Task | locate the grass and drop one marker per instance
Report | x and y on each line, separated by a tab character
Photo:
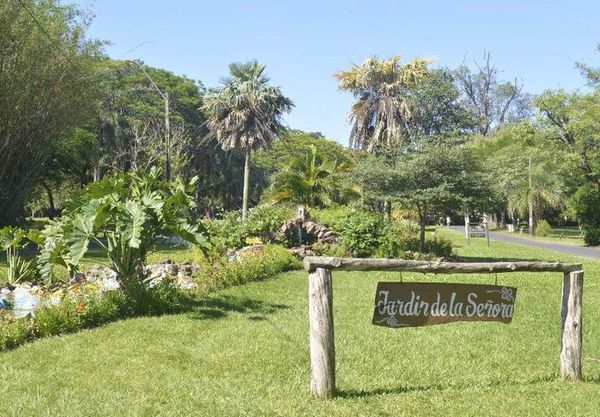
244	352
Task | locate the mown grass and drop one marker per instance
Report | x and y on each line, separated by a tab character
244	352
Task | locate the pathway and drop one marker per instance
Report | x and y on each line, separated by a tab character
593	252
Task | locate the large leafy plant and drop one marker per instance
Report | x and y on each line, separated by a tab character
123	214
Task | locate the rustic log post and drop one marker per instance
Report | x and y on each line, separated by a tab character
322	349
570	326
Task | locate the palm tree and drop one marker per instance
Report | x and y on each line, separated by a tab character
310	180
381	113
246	113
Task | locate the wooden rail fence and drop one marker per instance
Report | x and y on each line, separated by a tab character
320	306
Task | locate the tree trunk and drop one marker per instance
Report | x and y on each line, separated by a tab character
422	220
246	185
531	218
52	209
388	209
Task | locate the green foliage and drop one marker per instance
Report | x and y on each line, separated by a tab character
365	234
438	246
250	267
542	228
48	85
585	203
433	178
381	114
87	308
229	232
123	214
12	239
264	221
311	180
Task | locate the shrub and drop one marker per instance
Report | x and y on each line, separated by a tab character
250	267
365	234
585	203
591	236
15	333
265	221
542	228
58	319
227	233
438	246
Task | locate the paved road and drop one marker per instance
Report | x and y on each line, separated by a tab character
593	253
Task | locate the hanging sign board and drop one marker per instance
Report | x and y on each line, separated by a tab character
400	304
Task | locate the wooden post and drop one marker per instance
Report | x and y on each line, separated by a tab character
322	349
570	326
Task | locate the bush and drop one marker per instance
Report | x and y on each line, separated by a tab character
542	228
265	221
438	246
249	267
365	234
585	203
228	232
591	236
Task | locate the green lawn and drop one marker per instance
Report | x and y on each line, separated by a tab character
244	352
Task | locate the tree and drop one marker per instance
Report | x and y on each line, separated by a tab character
530	175
434	177
381	112
491	101
310	180
246	114
47	82
573	121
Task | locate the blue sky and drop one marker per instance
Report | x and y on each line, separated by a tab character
303	42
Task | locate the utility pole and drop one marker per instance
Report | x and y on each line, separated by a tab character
167	140
165	97
530	200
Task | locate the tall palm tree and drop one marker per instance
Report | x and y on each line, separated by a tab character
246	113
380	115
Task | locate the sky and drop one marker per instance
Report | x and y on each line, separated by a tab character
304	42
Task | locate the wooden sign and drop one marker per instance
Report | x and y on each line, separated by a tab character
400	304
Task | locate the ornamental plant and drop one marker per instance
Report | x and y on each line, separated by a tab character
123	214
12	239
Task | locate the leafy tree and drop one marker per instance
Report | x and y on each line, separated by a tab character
124	214
380	114
585	203
573	121
245	113
47	82
529	173
429	179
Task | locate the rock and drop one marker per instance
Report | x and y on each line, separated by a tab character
78	278
251	249
24	302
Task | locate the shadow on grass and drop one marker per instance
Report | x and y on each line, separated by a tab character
354	394
214	308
